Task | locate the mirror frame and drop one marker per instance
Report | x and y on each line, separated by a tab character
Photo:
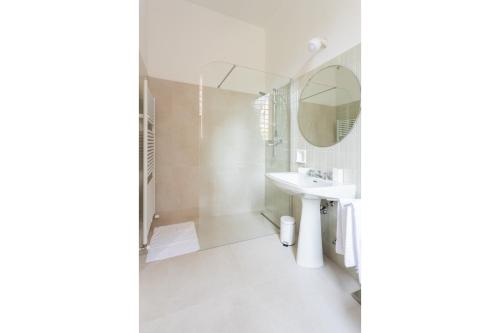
300	101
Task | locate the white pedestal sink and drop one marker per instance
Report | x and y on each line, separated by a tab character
311	190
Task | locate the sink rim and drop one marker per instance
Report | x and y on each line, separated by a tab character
331	190
319	181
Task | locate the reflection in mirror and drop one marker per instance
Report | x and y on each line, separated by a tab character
329	106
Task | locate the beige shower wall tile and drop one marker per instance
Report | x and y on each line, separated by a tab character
177	150
178	188
176	216
177	123
231	152
177	145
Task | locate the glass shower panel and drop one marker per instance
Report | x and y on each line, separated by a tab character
277	202
237	127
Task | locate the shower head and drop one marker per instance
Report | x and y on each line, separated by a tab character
262	93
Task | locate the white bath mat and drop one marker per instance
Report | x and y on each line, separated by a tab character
172	240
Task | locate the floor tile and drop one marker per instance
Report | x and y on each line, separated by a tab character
252	286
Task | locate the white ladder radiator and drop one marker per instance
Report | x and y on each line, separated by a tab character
148	160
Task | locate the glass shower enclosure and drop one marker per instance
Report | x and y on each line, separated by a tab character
244	133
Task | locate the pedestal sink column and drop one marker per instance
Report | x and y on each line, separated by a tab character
310	248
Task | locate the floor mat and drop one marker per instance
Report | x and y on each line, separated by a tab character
172	240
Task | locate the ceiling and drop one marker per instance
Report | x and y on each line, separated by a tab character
256	12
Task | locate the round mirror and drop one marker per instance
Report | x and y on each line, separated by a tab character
329	106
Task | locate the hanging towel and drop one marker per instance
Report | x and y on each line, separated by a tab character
339	243
348	232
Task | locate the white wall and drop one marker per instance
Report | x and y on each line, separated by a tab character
337	20
143	71
182	37
142	29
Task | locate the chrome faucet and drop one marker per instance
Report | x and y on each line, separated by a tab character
314	173
327	175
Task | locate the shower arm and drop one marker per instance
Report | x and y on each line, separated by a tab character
227	75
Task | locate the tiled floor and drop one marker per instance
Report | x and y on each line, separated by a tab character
252	286
226	229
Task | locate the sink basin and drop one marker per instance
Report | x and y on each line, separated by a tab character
293	183
311	190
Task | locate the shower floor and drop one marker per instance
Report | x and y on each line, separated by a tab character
216	231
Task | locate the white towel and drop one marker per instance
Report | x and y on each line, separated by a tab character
339	243
348	232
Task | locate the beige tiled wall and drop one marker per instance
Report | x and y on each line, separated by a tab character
220	168
232	154
143	73
177	150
